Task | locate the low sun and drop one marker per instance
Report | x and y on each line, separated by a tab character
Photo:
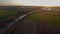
48	6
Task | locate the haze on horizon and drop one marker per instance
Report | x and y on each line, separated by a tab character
30	2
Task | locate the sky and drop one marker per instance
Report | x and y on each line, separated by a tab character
30	2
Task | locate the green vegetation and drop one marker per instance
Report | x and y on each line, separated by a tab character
52	17
6	13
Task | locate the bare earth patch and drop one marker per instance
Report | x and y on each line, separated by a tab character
34	27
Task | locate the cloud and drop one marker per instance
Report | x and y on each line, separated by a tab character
31	2
39	2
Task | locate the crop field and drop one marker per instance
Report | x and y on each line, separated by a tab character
52	17
6	13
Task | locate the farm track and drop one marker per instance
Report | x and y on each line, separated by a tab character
10	24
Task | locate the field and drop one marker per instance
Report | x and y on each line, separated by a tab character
6	13
52	17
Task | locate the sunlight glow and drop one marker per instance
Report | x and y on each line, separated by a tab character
48	6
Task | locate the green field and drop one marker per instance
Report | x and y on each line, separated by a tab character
52	17
6	13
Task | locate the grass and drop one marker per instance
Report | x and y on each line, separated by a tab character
6	13
52	17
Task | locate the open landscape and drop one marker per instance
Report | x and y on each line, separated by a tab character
30	19
4	14
52	17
